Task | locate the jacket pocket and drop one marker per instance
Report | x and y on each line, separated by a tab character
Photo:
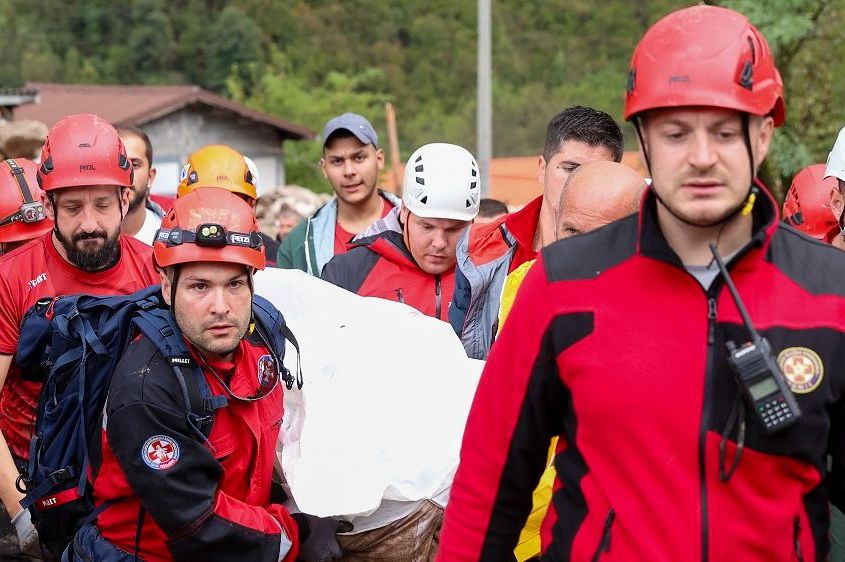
799	556
222	446
604	543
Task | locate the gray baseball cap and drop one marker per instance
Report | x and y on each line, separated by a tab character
355	124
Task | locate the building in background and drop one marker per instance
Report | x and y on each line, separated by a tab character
178	120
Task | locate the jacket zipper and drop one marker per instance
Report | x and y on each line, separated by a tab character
711	293
798	554
399	296
705	415
437	298
604	544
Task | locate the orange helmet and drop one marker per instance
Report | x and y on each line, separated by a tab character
209	224
217	165
23	216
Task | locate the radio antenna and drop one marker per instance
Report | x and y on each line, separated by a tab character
746	319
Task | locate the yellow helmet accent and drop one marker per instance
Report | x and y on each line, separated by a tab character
217	165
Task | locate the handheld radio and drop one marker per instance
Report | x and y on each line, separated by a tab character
756	370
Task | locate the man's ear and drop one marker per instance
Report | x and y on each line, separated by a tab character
766	130
837	203
124	200
541	165
151	177
323	167
380	158
48	207
165	286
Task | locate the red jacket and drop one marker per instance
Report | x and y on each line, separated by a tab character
485	254
36	270
201	501
378	264
613	346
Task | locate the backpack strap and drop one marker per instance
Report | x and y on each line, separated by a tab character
200	403
274	331
288	335
272	326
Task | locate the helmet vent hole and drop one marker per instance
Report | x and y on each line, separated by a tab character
473	184
474	173
421	181
632	80
469	203
424	200
419	159
746	79
419	168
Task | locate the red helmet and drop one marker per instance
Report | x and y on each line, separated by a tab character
83	150
22	215
807	203
209	224
705	56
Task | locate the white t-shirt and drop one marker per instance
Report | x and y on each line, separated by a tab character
152	223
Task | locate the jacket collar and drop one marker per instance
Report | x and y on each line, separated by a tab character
523	223
651	242
385	238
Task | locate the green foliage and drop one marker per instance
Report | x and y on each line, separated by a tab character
801	34
233	46
276	89
308	60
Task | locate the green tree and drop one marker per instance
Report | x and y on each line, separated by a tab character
232	44
798	32
277	90
307	60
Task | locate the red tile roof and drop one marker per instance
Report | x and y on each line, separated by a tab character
137	105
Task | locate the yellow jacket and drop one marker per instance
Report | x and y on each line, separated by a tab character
529	539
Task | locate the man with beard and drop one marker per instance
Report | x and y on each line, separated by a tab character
87	177
144	215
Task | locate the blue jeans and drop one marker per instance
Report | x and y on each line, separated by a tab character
89	546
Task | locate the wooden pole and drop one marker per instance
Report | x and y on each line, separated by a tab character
393	139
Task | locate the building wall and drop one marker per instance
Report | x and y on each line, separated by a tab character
175	136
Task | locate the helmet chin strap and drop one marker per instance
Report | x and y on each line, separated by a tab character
173	283
743	208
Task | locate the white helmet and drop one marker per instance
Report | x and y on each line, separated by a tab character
253	169
836	158
441	182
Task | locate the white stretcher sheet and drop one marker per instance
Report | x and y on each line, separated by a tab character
386	396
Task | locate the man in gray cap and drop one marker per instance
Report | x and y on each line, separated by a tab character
351	163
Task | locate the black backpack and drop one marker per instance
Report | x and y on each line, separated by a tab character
73	345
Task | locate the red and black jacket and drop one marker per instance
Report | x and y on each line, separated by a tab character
613	346
379	264
194	500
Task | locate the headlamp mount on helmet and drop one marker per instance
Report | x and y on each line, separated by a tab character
31	211
28	213
209	235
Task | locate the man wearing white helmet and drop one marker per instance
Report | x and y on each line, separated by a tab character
409	255
836	168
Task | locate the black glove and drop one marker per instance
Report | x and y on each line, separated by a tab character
317	541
